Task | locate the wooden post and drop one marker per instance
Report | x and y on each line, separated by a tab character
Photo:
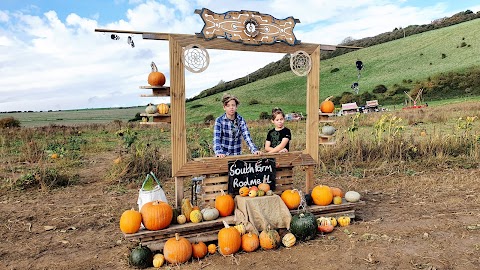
177	105
313	103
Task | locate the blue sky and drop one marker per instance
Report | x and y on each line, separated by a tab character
51	58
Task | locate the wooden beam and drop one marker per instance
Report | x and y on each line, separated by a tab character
313	104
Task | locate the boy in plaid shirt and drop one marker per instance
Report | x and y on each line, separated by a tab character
229	130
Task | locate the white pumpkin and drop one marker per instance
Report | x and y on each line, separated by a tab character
328	130
210	213
352	196
289	240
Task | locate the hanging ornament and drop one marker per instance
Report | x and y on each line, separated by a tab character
195	58
300	63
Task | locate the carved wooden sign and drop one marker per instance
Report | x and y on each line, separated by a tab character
247	27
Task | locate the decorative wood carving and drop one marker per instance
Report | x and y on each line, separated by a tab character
247	27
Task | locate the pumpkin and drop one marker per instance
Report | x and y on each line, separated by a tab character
187	208
264	186
54	156
333	221
327	105
151	109
343	221
199	250
260	193
130	221
322	195
328	130
303	226
250	242
224	204
141	257
158	260
196	216
269	239
254	188
337	200
155	78
337	192
352	196
289	240
156	215
210	213
291	198
324	225
243	191
177	250
269	193
181	219
252	193
240	228
229	240
162	108
212	248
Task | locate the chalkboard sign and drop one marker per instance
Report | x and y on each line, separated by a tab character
247	173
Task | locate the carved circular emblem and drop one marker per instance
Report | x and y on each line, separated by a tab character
195	58
251	27
300	63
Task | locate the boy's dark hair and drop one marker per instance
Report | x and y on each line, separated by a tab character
227	98
276	111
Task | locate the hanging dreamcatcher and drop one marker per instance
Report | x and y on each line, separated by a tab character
195	58
300	63
355	86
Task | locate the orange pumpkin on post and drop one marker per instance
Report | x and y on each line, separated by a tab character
156	78
327	105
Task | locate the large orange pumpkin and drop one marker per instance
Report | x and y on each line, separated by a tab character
250	242
177	250
199	250
229	240
156	215
269	239
291	198
327	105
156	78
224	204
322	195
337	192
130	221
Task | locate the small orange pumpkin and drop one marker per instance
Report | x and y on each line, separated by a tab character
337	192
199	250
162	108
229	240
156	215
177	250
130	221
224	204
327	105
243	191
264	186
250	242
291	198
156	78
322	195
212	248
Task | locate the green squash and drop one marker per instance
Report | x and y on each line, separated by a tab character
304	226
141	257
176	213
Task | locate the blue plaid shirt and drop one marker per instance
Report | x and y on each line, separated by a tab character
227	136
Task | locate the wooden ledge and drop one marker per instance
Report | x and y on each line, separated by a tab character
212	165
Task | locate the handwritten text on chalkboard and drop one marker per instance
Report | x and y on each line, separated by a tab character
247	173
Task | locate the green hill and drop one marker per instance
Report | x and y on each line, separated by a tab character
403	63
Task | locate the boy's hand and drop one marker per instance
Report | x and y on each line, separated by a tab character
258	153
220	155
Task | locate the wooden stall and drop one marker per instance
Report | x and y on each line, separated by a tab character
214	170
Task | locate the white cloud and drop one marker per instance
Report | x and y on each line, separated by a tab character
47	63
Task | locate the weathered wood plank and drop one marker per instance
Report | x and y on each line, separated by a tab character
212	165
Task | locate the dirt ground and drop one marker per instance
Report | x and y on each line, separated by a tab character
429	220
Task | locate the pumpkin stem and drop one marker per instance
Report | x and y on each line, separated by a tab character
177	236
327	99
225	224
154	67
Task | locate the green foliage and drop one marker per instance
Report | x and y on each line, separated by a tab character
379	89
9	122
44	178
128	136
253	102
334	70
209	119
353	128
387	128
264	115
